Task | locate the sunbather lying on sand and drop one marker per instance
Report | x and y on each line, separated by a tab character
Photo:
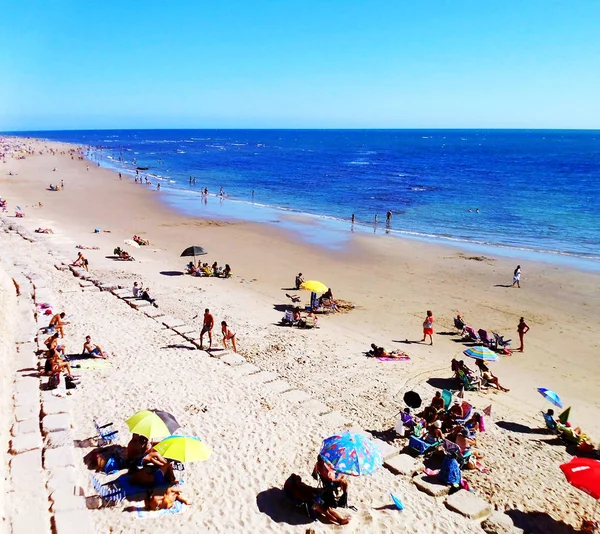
155	501
84	247
90	349
43	231
380	352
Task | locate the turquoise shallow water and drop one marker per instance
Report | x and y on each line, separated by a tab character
526	192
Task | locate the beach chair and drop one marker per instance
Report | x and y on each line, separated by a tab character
467	383
106	434
293	298
447	396
550	422
486	339
467	412
422	447
469	334
451	447
500	341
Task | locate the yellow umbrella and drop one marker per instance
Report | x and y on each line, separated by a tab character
183	449
313	285
148	424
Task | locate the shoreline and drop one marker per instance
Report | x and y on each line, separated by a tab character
334	230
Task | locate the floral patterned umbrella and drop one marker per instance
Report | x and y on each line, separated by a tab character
351	454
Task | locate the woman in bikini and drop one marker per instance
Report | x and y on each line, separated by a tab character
228	335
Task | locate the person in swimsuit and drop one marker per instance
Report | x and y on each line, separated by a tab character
517	277
57	323
428	327
228	334
207	326
90	349
488	376
165	501
522	329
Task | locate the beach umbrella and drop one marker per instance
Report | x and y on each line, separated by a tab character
351	454
183	449
149	424
551	396
131	243
564	417
314	286
168	419
193	251
481	353
412	399
584	474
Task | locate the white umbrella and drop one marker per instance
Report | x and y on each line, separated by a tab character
131	243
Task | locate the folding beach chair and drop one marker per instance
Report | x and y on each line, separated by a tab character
106	435
422	447
447	396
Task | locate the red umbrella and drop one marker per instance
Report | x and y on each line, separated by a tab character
584	474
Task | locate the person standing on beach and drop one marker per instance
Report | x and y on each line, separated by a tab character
299	280
388	217
207	326
353	218
517	277
62	184
428	327
228	335
522	329
375	219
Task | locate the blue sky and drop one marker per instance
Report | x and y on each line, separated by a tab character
277	64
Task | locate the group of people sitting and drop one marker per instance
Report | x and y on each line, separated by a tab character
294	317
442	422
57	365
141	241
122	254
467	379
146	468
204	269
320	502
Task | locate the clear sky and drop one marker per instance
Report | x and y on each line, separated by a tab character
284	64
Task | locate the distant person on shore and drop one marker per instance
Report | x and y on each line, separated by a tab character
299	280
428	327
120	176
87	168
62	184
57	322
136	290
207	326
352	219
158	187
253	194
228	335
522	329
517	277
388	217
375	219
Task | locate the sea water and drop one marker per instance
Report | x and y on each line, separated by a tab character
513	190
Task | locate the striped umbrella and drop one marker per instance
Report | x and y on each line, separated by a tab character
481	353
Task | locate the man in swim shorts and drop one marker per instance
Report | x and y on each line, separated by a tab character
90	349
207	326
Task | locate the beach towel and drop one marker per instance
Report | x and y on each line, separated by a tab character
92	364
177	508
400	359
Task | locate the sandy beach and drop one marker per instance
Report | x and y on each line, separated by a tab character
259	436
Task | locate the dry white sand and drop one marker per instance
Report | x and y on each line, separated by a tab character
257	437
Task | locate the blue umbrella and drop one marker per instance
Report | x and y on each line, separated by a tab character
551	396
481	353
351	454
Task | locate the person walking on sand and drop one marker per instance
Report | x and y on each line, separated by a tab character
207	326
428	327
522	329
228	334
517	277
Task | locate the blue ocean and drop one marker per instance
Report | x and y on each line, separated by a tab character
529	190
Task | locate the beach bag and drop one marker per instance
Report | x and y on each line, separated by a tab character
69	382
54	381
481	423
400	428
